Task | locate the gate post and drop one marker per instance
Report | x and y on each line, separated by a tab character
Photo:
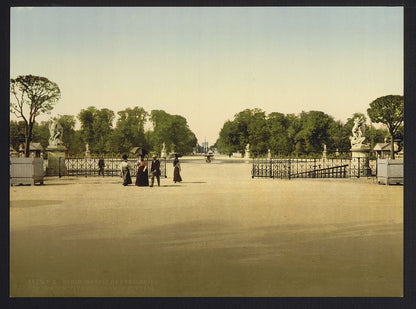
252	170
289	169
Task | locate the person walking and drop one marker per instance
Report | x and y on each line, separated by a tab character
176	170
155	171
142	177
101	166
125	171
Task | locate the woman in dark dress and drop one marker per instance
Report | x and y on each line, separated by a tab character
142	177
176	170
125	171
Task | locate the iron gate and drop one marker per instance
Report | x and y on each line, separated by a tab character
313	168
88	167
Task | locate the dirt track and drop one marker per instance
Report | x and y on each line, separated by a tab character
219	233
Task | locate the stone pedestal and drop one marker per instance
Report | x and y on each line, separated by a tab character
360	161
56	161
247	156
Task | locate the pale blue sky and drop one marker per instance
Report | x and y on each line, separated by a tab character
207	64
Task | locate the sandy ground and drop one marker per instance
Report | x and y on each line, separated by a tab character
218	233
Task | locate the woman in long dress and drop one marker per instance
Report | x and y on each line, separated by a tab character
125	171
142	177
176	170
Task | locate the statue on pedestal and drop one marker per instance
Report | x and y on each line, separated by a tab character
55	150
56	132
87	150
358	129
163	152
359	150
247	151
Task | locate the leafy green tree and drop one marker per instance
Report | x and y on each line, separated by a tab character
294	127
17	130
172	130
71	138
96	128
129	131
228	140
388	110
279	141
41	133
314	133
259	133
31	96
102	128
248	127
86	117
242	120
338	138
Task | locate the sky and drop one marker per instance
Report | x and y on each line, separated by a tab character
209	63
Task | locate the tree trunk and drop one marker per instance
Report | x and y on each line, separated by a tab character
28	138
27	142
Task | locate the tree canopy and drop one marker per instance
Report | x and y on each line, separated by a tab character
31	96
299	135
388	110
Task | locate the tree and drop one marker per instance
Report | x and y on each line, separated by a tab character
29	97
172	130
315	132
86	117
96	127
248	127
279	141
129	131
388	110
228	140
17	130
41	133
102	129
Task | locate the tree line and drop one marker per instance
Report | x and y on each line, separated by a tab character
97	130
306	133
299	135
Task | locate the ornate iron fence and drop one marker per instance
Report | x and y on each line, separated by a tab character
88	167
313	168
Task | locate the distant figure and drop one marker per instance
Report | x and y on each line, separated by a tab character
176	170
155	171
101	166
125	171
142	177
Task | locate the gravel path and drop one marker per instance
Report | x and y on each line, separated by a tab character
218	233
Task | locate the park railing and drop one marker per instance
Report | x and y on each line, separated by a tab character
88	167
313	168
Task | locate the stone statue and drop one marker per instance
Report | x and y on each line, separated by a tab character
87	150
247	152
163	152
56	131
357	137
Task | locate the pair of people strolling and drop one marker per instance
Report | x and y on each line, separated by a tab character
142	177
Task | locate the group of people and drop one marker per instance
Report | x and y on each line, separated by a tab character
142	176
